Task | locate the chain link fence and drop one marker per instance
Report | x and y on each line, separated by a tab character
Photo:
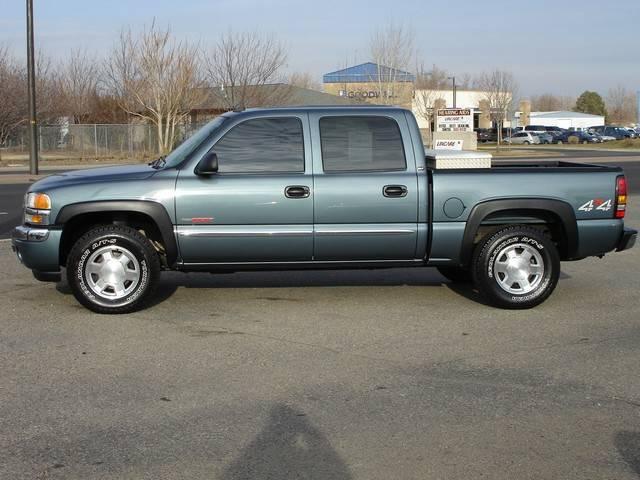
95	141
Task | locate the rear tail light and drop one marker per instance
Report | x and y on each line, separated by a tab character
621	197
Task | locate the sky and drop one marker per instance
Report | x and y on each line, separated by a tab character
557	46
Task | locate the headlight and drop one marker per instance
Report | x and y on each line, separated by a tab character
37	209
39	201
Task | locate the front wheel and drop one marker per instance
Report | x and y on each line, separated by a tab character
113	269
516	268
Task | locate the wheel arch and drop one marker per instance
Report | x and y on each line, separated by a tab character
557	215
78	218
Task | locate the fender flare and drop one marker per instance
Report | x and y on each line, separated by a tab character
557	208
154	210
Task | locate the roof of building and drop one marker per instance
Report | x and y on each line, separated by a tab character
277	94
564	114
368	72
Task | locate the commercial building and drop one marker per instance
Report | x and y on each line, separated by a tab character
562	119
371	83
426	101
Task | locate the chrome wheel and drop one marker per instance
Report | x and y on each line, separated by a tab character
518	268
112	272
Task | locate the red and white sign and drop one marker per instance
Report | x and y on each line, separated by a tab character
454	120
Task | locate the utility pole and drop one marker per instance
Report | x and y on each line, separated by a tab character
31	81
454	91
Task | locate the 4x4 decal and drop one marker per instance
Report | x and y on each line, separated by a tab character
597	204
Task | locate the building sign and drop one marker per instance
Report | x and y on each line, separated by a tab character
443	144
454	120
365	94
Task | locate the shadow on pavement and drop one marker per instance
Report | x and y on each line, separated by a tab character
421	277
628	444
289	446
427	277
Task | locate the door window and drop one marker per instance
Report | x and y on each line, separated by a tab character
361	144
262	145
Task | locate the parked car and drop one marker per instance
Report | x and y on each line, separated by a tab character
523	138
618	133
579	135
247	192
535	128
633	133
545	138
485	135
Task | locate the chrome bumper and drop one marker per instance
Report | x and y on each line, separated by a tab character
28	234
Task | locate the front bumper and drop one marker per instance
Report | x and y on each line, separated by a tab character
628	239
37	248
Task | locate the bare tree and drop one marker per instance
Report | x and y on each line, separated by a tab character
242	66
428	90
77	83
13	106
499	89
392	50
549	102
621	105
304	80
156	78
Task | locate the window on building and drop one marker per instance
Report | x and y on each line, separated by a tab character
262	145
361	144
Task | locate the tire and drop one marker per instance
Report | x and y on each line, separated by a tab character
132	269
526	142
456	274
559	142
531	253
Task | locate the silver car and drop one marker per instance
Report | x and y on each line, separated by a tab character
523	138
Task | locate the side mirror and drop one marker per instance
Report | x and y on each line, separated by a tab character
208	165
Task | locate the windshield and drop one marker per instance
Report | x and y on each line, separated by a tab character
193	142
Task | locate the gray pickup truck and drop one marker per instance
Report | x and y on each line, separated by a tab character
317	187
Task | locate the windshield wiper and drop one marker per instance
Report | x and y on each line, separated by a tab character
158	162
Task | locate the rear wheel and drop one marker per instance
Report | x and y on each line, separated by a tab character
526	142
113	269
517	267
456	274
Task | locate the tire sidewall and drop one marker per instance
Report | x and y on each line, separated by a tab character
77	275
486	279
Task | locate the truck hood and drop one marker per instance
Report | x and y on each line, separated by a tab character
95	175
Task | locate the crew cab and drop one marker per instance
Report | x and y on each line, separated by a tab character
312	188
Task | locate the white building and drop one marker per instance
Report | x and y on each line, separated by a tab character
569	120
471	99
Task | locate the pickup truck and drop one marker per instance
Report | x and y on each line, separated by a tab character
312	188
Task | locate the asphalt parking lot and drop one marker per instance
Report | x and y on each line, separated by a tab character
324	375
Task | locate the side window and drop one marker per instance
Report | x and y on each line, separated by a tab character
262	145
361	144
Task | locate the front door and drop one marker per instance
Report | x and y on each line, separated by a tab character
259	206
365	187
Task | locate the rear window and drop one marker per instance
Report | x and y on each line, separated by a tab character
361	144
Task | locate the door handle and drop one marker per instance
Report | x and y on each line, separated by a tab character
394	191
296	191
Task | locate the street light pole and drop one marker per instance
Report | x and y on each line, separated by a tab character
454	91
31	82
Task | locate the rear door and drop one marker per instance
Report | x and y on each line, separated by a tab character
365	187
